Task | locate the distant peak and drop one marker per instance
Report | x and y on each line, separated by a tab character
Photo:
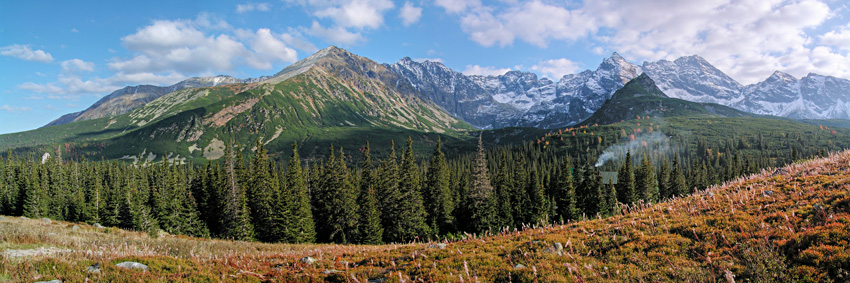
330	51
782	76
616	56
694	57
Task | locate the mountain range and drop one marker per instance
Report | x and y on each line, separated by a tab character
521	99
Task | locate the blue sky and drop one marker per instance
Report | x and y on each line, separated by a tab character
58	57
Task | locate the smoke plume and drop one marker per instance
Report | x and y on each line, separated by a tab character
655	140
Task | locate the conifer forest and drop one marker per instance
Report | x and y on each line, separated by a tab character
350	197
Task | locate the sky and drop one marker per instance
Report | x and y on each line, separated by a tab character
58	57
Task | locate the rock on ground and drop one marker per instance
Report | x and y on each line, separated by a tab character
437	246
132	265
308	260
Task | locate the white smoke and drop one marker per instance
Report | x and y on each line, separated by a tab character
650	141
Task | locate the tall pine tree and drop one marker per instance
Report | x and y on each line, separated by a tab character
437	194
565	193
369	229
412	213
482	212
301	227
236	224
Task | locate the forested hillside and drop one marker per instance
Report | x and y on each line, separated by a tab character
350	197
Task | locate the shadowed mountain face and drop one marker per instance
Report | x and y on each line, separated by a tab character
642	97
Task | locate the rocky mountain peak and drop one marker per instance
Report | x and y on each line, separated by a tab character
779	76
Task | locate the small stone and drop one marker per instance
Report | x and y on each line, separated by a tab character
519	266
24	217
308	260
51	281
75	228
279	266
94	268
97	225
132	265
1	218
557	249
440	246
46	220
331	271
768	192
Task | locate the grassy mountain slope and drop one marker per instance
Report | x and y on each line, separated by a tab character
337	98
641	97
780	225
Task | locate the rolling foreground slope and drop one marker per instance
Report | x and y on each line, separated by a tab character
784	225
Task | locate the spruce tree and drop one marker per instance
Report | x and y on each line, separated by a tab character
412	212
335	202
369	217
503	184
302	228
591	191
236	224
520	198
664	186
611	203
537	206
565	194
437	194
263	201
678	185
35	197
482	213
389	197
646	184
626	181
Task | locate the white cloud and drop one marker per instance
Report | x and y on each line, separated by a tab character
76	65
269	48
410	14
747	39
336	35
556	68
166	52
248	7
9	108
839	39
533	22
484	71
183	46
26	53
356	13
457	6
294	39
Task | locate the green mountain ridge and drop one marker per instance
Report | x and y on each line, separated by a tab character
641	97
336	98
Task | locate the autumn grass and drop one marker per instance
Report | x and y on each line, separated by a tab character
789	225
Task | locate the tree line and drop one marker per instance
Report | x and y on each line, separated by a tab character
370	201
